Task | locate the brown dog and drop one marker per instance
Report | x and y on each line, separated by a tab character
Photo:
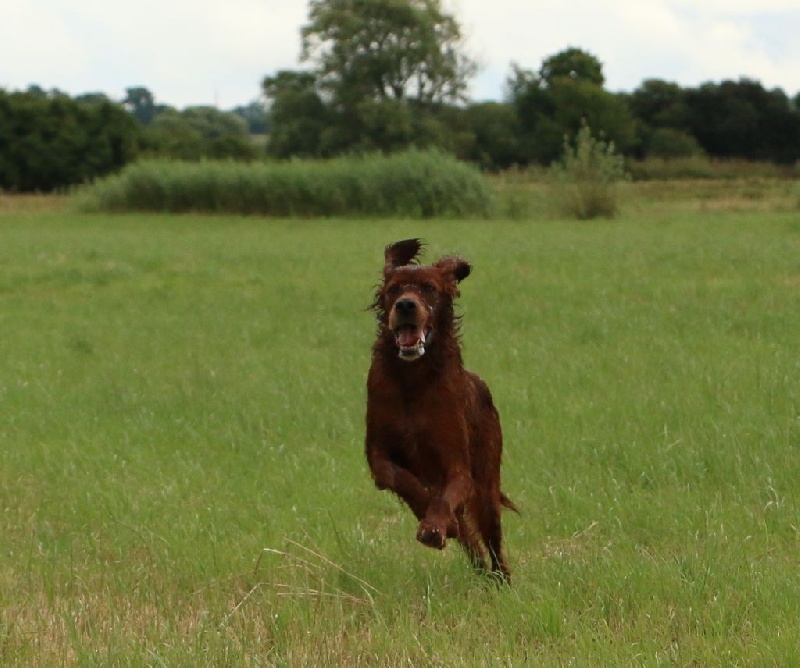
433	433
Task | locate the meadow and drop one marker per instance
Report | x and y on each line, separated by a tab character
182	479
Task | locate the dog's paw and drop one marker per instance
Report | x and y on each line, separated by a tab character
431	534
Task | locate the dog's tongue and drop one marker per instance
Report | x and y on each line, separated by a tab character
408	337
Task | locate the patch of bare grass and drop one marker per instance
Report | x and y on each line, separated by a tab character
24	203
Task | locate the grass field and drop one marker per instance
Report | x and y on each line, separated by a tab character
181	421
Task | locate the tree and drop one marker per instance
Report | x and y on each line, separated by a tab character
662	116
383	71
488	134
386	49
742	119
574	64
566	93
141	103
92	98
255	115
199	132
299	116
660	104
50	141
671	143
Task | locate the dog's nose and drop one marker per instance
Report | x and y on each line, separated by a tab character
405	306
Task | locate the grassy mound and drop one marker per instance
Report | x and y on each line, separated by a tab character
411	184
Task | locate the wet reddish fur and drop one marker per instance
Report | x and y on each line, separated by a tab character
433	434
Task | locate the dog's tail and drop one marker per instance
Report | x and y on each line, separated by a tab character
508	503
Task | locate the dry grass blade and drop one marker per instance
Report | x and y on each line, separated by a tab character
316	568
363	583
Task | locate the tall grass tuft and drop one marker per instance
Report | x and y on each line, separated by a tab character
416	184
583	182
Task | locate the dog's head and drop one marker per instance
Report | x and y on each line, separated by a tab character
415	302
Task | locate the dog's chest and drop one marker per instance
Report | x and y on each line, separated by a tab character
418	441
414	451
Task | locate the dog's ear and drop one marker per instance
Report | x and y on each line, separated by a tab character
456	267
401	253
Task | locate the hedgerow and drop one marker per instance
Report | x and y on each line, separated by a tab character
409	184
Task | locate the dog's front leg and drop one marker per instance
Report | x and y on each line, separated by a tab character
388	475
438	523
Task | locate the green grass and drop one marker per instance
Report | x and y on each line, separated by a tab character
413	184
527	195
181	421
701	167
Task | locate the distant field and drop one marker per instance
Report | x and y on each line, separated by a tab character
181	422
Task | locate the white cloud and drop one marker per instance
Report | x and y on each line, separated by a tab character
207	51
685	41
185	51
736	7
36	41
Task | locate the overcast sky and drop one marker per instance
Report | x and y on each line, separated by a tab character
190	52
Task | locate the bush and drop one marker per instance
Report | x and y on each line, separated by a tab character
670	143
410	184
583	183
196	133
50	141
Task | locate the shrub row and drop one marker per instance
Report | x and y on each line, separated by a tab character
409	184
700	167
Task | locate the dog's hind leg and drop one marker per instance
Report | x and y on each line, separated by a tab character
492	534
469	538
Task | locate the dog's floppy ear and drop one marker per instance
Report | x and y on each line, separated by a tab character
401	253
457	267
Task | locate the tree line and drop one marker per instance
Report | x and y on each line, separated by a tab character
384	75
49	140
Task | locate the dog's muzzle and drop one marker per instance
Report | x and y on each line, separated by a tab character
410	336
411	341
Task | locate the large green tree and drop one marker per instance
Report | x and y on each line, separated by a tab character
572	63
381	73
386	49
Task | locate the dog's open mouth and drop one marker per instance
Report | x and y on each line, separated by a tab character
410	340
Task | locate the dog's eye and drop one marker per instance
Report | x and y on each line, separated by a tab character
428	287
393	290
